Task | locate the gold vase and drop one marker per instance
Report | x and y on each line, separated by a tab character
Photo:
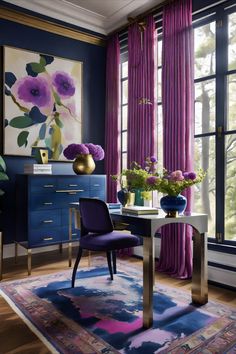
84	164
130	199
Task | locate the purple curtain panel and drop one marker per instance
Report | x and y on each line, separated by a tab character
112	115
178	101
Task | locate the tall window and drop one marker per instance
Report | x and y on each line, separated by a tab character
159	108
215	120
124	113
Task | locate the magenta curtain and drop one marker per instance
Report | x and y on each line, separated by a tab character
177	96
141	105
112	115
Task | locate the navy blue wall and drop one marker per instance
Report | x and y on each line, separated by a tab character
93	58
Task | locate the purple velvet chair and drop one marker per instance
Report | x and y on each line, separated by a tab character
97	233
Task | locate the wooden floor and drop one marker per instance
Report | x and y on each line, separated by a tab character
15	337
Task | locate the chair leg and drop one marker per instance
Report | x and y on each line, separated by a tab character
109	263
80	251
114	261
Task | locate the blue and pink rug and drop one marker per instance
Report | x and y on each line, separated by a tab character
101	316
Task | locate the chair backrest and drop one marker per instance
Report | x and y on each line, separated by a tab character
95	216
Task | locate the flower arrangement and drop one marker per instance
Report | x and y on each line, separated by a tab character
148	179
173	183
72	150
135	177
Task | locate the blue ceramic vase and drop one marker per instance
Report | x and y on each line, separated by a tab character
122	196
173	205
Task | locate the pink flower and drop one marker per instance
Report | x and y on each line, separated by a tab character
177	175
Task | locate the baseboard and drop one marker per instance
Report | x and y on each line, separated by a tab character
9	249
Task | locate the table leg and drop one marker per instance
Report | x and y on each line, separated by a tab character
1	255
200	269
70	253
60	248
16	252
148	275
29	254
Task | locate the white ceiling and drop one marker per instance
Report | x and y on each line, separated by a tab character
102	16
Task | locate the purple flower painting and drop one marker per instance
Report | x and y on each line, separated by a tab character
42	103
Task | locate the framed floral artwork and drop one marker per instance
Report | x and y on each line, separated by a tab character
42	103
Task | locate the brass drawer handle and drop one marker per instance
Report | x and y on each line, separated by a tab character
73	185
47	221
69	190
48	203
96	185
48	186
75	234
47	238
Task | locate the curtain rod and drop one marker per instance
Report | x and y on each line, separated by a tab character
141	16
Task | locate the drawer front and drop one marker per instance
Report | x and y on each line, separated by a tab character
44	237
64	199
45	219
98	194
73	183
43	201
97	183
42	184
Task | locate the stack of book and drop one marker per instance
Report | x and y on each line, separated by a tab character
113	205
38	169
139	210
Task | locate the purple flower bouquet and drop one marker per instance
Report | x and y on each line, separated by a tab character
72	150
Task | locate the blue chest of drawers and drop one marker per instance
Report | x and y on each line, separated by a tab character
42	206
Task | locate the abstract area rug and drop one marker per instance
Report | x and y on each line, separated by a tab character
101	316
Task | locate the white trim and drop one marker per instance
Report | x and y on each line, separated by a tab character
222	276
9	249
31	326
64	11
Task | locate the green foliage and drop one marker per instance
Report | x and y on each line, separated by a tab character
133	178
3	175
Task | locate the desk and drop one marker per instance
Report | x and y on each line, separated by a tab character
146	226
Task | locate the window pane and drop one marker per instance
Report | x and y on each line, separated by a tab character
232	42
159	91
204	193
124	161
205	107
125	92
204	49
124	70
124	141
230	188
124	117
160	138
231	121
159	53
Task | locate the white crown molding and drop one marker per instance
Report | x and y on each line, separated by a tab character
68	12
64	11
